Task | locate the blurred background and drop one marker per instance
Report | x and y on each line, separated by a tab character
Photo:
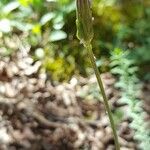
45	71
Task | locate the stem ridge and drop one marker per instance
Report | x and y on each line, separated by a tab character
88	46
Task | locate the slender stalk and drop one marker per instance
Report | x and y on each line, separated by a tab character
88	46
85	35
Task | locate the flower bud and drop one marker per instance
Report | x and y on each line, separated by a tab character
84	21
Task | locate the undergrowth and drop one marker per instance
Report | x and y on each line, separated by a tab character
128	83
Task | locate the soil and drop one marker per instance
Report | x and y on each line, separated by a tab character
36	115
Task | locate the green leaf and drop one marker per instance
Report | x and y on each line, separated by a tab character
22	26
10	7
57	35
46	18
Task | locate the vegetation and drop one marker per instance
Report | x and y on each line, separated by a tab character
85	35
49	25
44	32
128	83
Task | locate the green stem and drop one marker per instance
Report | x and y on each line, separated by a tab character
88	46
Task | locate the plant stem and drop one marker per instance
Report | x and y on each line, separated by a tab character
88	46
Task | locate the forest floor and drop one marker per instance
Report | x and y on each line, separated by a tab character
36	115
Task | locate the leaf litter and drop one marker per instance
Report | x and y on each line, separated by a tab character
69	116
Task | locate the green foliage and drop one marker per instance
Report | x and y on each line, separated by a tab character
135	35
128	83
124	23
41	25
84	22
50	24
48	28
